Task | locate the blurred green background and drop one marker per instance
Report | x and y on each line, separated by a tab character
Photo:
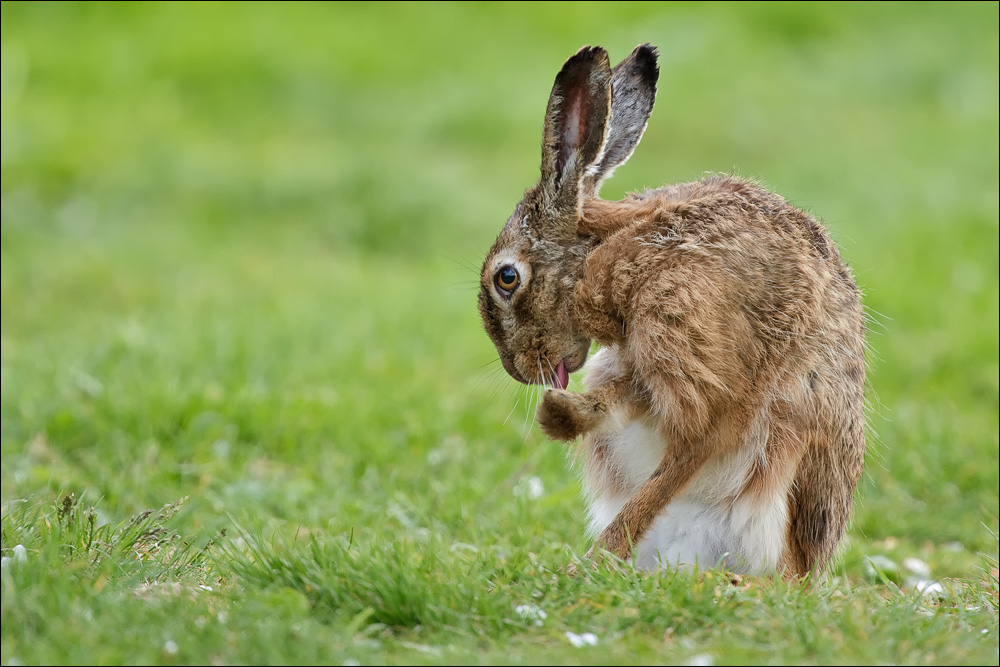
241	241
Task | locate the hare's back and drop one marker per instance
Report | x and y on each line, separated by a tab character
724	287
723	248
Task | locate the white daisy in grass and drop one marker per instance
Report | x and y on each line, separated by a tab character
531	488
581	640
531	613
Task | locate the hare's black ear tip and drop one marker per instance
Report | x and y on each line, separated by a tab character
587	58
646	53
645	56
589	52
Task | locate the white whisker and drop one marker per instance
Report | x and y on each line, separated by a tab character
526	427
531	413
555	375
513	407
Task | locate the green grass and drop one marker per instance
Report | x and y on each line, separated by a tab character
240	246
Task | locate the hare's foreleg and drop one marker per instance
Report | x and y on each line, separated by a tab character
678	467
565	415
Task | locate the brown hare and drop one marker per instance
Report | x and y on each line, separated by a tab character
723	422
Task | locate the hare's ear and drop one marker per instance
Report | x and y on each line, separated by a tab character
633	91
576	121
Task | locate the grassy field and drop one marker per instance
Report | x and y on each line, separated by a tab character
249	415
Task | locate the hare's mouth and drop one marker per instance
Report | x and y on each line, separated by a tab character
562	376
546	370
571	363
557	377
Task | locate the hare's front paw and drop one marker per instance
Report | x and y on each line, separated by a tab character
564	415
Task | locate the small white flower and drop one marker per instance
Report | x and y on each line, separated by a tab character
579	641
917	567
531	488
701	660
20	553
930	588
531	613
204	587
171	647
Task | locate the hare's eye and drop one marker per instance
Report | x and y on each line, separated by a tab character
507	280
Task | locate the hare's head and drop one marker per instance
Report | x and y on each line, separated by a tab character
594	120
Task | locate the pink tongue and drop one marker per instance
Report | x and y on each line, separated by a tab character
562	377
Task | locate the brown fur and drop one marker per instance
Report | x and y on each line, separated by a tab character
731	312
